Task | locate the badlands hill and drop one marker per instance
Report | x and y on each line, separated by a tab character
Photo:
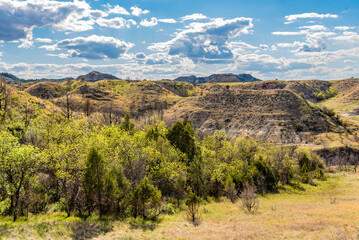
219	78
95	76
317	114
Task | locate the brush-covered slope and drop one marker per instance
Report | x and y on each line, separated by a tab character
46	90
139	98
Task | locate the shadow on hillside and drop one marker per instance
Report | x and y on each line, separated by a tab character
297	186
87	229
144	225
292	186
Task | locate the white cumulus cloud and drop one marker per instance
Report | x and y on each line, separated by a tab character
117	22
205	42
18	18
117	10
295	17
92	47
315	28
351	37
343	28
43	40
151	23
194	16
167	20
136	11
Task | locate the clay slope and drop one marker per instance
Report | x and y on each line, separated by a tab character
308	90
268	115
348	90
346	102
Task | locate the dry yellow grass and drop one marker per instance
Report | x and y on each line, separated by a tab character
302	212
292	214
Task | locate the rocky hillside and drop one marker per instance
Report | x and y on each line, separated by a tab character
266	115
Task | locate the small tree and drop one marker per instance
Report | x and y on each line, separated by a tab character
180	190
93	180
17	165
122	189
87	107
4	97
126	124
146	200
249	198
182	136
193	208
196	176
230	189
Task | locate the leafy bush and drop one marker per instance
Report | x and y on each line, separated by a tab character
146	200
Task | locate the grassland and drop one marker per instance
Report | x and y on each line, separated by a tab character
329	210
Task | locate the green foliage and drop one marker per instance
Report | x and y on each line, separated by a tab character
18	165
126	124
94	180
310	166
327	94
146	200
195	176
263	175
120	171
182	136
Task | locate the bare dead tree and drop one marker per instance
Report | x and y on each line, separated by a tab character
249	198
87	107
4	97
354	160
68	106
111	115
28	114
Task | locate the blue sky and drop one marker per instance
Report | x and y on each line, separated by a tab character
157	39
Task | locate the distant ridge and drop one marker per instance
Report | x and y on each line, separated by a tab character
95	76
10	78
220	78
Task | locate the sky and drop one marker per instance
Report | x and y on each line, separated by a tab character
165	39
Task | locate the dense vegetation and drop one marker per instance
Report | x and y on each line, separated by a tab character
53	164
